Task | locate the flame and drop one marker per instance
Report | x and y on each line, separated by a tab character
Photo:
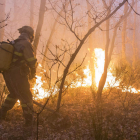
87	81
40	65
42	92
99	68
38	89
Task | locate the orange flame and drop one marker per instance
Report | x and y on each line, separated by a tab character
41	92
99	68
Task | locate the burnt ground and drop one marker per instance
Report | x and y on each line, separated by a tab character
118	118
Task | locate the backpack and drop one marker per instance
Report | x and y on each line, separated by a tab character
6	55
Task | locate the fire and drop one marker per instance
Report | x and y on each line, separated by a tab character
86	82
38	89
42	92
99	68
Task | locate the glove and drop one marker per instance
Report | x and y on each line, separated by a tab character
32	73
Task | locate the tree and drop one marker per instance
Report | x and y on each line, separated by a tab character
108	51
124	33
31	12
51	35
91	48
70	22
134	44
2	19
40	23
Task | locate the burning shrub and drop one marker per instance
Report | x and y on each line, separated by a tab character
127	75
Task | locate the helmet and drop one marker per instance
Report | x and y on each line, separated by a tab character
27	29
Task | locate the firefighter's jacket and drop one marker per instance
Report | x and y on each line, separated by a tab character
16	77
23	54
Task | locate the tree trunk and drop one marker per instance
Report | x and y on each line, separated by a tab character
92	65
2	17
134	45
31	12
40	24
115	31
15	11
108	53
104	75
124	34
51	35
48	43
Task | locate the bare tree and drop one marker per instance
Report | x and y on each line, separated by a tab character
51	35
134	44
40	23
31	12
91	47
2	19
69	21
109	49
124	33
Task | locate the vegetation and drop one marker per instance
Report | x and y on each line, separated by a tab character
67	33
79	118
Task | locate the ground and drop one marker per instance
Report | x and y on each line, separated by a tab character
79	118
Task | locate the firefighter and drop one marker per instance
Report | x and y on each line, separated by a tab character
22	69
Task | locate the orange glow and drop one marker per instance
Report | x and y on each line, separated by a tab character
40	92
87	81
99	68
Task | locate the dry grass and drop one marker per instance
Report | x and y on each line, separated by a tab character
79	119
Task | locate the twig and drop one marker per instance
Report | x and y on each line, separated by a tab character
133	9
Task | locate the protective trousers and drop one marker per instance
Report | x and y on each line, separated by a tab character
19	88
